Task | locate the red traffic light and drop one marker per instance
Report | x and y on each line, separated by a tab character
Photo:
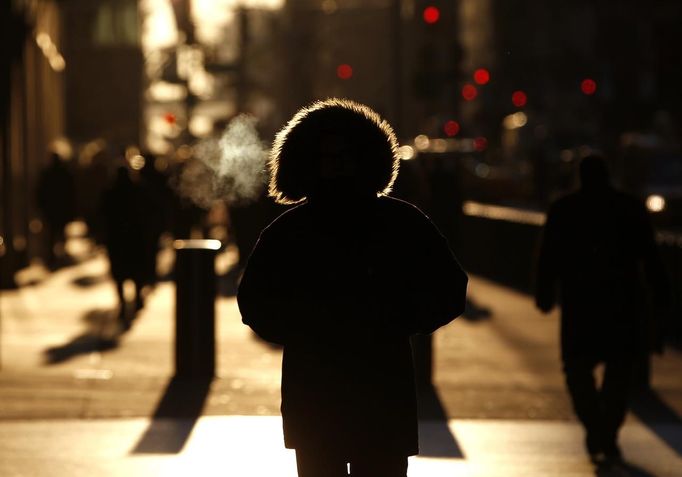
451	128
519	99
431	15
170	118
588	86
480	143
344	71
481	76
469	92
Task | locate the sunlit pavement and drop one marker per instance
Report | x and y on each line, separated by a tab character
77	397
252	446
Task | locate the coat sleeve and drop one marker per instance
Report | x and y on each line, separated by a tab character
439	290
260	295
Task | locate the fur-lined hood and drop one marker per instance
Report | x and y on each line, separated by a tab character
295	150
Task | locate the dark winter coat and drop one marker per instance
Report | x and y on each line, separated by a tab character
125	225
598	247
342	288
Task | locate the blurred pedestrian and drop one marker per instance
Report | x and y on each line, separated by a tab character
158	197
92	179
595	243
124	219
342	281
56	200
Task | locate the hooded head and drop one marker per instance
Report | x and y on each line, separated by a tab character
594	175
333	147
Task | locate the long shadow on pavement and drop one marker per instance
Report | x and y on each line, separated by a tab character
175	416
659	417
623	469
103	333
435	437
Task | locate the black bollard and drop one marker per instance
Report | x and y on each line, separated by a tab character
195	294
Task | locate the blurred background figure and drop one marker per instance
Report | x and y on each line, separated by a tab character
158	198
595	244
56	200
92	179
126	236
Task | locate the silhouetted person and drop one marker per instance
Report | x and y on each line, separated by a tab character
92	179
56	200
342	281
595	243
124	226
158	198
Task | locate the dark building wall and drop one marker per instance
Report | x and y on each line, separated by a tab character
32	118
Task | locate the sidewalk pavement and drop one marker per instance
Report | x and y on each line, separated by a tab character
77	397
248	446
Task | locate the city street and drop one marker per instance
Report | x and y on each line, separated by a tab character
542	139
80	398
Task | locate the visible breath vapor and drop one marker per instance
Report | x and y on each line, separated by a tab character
230	168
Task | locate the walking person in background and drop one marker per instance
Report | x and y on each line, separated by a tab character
342	281
598	249
124	228
57	202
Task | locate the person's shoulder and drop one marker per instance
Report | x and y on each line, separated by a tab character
400	208
287	220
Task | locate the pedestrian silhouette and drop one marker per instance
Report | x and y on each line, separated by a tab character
158	198
598	250
342	281
56	200
124	220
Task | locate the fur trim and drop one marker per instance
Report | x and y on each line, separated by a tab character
292	157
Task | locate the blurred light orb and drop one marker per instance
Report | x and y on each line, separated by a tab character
344	71
451	128
440	145
137	162
482	170
469	92
200	125
516	120
184	152
480	144
519	99
655	203
431	15
329	6
57	62
406	152
422	142
170	118
481	76
43	40
35	226
588	86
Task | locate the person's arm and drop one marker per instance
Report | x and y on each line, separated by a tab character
260	296
439	293
546	269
